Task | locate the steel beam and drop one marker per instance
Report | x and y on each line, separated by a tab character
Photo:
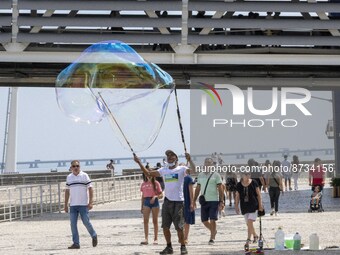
265	40
100	5
88	38
99	22
263	6
296	24
173	58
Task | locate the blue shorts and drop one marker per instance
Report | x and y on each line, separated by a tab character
189	216
147	202
209	211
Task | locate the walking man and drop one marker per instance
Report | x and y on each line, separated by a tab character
173	206
79	190
209	185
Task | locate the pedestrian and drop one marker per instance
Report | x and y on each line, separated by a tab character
173	206
80	192
275	187
151	192
256	173
110	166
317	175
295	171
209	185
221	212
248	195
266	170
189	206
231	182
287	174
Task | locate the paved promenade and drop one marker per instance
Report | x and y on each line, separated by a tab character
120	230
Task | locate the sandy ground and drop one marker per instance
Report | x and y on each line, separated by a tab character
120	230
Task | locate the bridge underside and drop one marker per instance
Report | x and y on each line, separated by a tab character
259	76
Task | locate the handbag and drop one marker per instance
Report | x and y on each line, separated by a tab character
201	198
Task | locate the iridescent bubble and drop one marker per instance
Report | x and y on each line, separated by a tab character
111	80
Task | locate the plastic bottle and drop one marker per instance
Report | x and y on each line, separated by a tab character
279	240
297	242
314	242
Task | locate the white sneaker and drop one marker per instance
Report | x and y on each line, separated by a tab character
275	213
272	212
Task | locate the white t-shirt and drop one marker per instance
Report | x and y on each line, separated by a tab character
286	170
173	181
78	186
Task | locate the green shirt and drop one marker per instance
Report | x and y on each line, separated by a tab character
211	193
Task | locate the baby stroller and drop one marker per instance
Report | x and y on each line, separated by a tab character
315	204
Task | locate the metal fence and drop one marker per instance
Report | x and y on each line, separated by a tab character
28	200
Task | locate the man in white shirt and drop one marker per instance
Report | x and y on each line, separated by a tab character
287	172
81	201
173	206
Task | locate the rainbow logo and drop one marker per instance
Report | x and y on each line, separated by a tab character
211	92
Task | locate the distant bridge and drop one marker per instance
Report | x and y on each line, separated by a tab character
227	157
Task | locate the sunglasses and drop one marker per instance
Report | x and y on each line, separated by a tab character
75	166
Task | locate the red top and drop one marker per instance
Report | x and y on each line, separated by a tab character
148	190
317	175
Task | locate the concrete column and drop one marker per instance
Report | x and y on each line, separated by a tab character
336	118
11	149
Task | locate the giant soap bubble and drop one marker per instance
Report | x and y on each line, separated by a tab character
112	80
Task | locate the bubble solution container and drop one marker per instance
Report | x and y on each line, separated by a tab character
297	242
289	241
314	242
279	240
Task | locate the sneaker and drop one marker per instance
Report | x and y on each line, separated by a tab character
94	241
276	213
290	188
74	246
272	212
211	242
184	249
167	250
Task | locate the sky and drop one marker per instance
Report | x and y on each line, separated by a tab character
46	133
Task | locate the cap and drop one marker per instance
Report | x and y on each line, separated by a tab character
170	152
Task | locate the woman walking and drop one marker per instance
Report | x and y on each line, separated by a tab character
248	195
274	181
295	171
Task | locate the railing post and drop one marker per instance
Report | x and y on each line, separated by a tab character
41	200
10	204
31	195
59	198
21	213
96	192
103	199
50	186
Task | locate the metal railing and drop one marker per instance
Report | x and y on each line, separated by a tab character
28	200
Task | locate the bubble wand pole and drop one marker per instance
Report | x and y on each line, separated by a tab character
115	121
180	121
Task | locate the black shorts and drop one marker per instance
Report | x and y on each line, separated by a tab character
173	212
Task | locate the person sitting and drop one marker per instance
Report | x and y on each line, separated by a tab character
316	197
